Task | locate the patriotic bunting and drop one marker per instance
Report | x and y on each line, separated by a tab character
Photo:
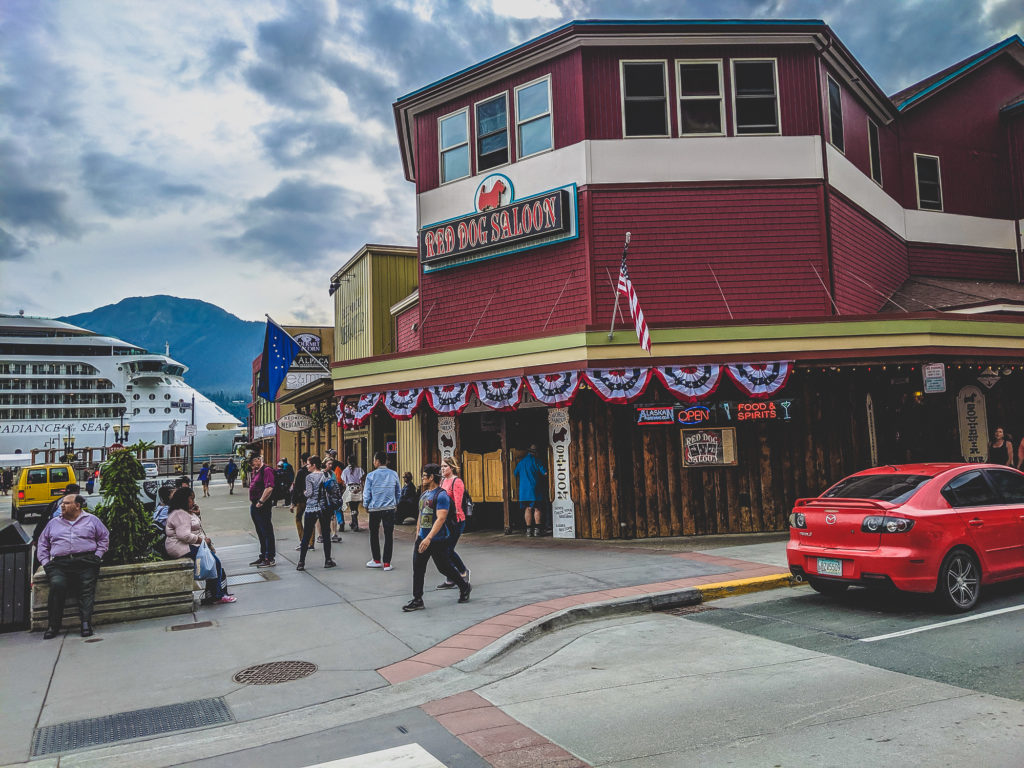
760	379
618	385
690	383
402	403
500	394
449	398
364	407
555	389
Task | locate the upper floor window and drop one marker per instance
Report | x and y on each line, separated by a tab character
533	117
929	184
454	141
835	115
492	133
701	101
755	96
644	98
874	153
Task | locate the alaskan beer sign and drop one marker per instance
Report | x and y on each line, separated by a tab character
500	225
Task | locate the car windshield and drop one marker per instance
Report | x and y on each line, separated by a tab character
895	489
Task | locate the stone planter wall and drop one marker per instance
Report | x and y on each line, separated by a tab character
125	593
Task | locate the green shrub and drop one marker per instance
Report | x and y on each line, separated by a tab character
131	531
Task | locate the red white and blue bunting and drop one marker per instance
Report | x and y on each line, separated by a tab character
449	398
760	379
618	385
554	389
402	403
690	383
500	394
364	407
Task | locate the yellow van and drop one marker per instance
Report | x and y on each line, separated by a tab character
37	486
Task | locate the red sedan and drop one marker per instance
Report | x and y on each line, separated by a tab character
946	529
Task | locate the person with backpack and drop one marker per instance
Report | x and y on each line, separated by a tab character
231	474
456	490
317	509
432	539
204	478
380	496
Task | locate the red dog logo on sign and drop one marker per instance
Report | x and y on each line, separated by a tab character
492	199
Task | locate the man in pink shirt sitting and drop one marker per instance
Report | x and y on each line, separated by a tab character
70	550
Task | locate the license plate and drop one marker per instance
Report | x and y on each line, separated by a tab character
830	567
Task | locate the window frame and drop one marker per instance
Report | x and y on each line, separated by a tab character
475	152
829	82
549	114
878	151
778	98
622	98
680	97
917	182
441	149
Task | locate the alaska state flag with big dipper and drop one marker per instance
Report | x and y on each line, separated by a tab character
279	349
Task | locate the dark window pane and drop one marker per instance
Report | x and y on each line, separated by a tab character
927	170
701	116
646	118
59	475
644	80
36	476
698	80
492	159
1009	485
874	152
970	489
756	115
835	114
490	117
493	143
929	189
893	488
754	77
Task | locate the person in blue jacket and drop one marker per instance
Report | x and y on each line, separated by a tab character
529	473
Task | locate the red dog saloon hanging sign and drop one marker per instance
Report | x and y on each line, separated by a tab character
499	225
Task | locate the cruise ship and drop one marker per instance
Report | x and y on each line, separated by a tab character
57	380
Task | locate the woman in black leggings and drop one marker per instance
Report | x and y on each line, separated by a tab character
316	509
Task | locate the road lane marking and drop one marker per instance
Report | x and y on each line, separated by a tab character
951	622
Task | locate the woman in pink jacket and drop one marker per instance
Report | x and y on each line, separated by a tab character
184	535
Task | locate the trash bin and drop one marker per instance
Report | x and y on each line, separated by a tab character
15	577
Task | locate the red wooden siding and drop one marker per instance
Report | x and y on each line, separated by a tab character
518	292
961	125
1015	133
566	114
602	88
863	248
407	338
761	242
927	260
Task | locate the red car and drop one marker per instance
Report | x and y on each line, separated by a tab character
946	529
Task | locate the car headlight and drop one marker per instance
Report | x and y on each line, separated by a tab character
886	524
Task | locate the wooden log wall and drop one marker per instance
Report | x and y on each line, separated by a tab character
628	481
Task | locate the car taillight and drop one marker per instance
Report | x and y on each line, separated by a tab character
886	524
21	495
797	520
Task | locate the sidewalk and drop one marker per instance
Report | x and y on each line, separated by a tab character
370	657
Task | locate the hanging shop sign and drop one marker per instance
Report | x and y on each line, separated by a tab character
934	375
563	510
309	342
295	422
973	422
500	225
869	406
446	436
756	410
709	447
303	361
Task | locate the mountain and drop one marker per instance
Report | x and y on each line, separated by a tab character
217	347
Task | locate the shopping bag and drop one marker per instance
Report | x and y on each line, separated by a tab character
206	563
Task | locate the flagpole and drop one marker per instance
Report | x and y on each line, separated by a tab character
282	330
611	331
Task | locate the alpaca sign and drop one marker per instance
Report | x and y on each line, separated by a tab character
500	225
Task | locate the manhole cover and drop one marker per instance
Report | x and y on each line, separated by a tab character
685	610
275	672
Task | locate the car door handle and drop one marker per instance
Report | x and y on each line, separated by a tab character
976	522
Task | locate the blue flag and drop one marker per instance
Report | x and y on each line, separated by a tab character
279	349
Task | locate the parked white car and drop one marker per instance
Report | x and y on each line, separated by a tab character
151	469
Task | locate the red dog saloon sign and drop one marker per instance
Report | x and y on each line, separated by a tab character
500	225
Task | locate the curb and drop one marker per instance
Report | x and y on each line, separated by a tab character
745	586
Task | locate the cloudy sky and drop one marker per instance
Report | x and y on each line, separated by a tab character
239	152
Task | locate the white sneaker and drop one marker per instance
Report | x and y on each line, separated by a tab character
373	564
387	567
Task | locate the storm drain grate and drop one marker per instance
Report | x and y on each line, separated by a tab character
275	672
686	610
196	625
96	731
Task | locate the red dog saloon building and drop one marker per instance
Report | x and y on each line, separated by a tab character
830	275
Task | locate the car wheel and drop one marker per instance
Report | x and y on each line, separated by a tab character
827	587
959	581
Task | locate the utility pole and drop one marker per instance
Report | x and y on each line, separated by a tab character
192	445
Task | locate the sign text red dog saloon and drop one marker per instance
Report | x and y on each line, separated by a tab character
498	229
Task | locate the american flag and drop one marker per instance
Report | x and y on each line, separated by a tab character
625	287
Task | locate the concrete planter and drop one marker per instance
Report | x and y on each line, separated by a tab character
125	593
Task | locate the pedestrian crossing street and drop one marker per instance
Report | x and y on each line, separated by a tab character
408	756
